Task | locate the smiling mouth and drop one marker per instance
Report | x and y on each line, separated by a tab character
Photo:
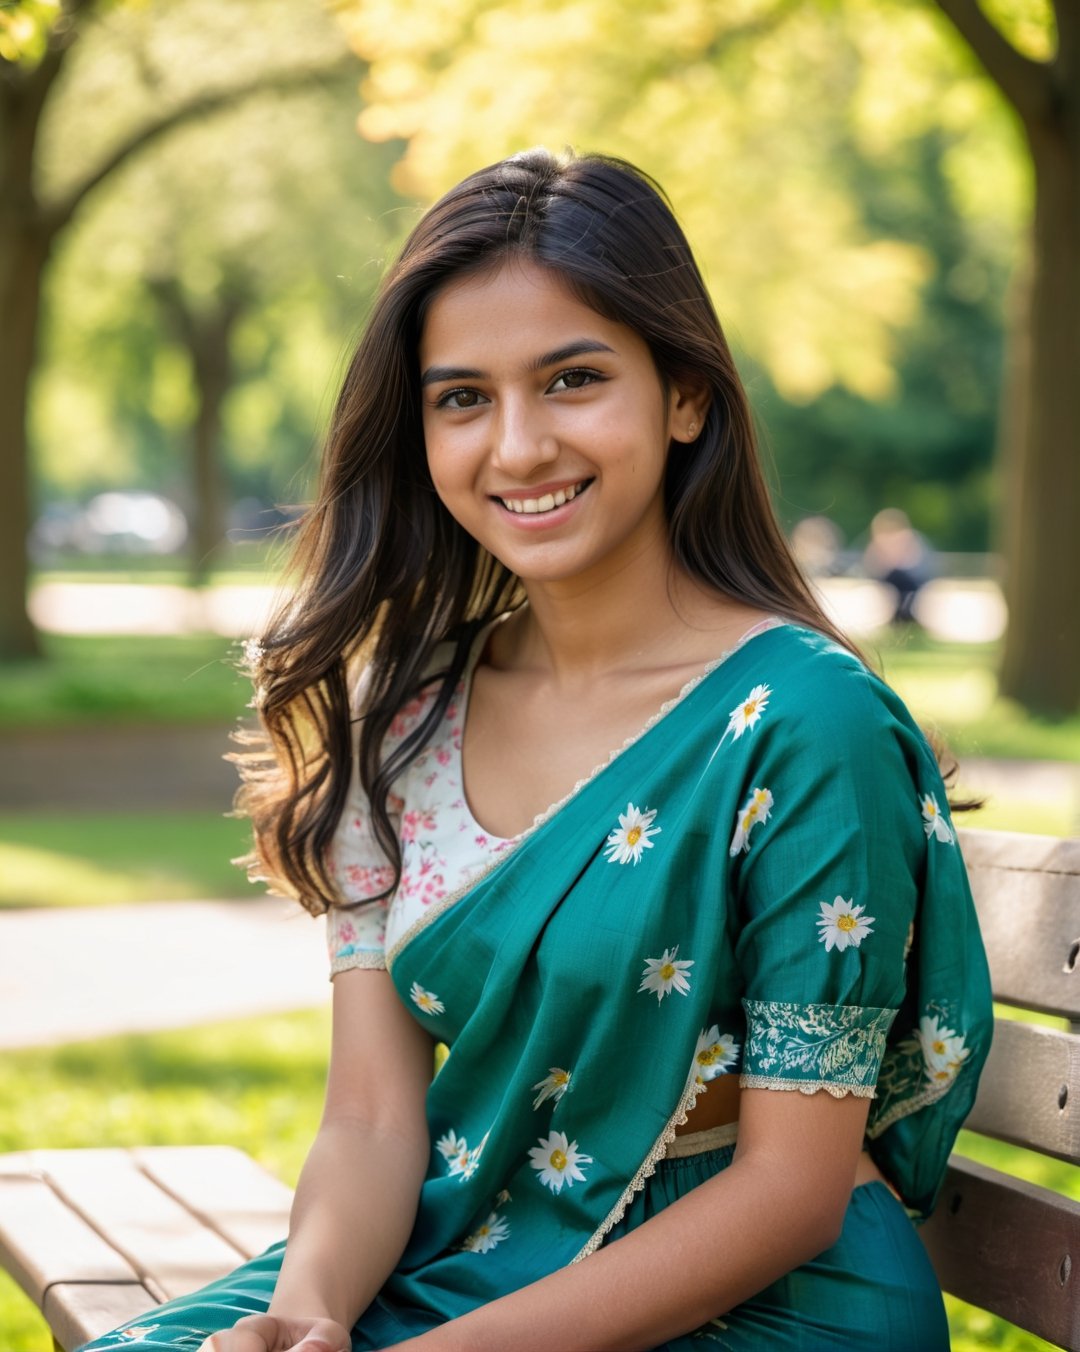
548	503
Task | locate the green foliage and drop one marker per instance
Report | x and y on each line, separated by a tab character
25	27
273	199
928	449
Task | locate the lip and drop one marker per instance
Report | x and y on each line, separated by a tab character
538	490
532	521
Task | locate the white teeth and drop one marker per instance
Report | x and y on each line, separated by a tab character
535	506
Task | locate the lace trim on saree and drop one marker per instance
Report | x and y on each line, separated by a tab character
837	1091
370	960
441	906
647	1169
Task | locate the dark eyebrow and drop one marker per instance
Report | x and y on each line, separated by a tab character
435	374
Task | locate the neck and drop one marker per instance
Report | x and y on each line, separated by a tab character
643	612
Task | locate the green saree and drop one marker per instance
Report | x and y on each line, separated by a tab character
766	883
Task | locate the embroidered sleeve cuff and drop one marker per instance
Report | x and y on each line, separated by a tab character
372	959
837	1048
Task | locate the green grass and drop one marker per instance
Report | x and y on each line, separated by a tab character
953	686
102	859
123	679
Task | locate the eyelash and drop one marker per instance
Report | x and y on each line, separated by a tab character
593	377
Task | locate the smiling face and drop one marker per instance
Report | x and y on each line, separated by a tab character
546	426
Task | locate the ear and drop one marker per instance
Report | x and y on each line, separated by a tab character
687	406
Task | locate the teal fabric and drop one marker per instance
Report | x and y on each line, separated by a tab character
873	1291
764	883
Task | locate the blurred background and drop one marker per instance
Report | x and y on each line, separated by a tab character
196	203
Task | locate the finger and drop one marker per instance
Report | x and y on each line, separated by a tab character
324	1335
253	1333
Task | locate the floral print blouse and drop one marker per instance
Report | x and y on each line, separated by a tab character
442	845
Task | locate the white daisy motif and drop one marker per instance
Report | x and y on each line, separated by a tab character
663	975
745	716
631	836
455	1151
943	1050
757	809
484	1238
842	925
553	1086
715	1053
452	1146
426	1001
472	1158
934	824
557	1160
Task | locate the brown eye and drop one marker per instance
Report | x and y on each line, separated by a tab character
576	379
459	399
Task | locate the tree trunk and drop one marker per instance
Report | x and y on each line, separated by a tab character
212	366
205	332
1041	663
23	254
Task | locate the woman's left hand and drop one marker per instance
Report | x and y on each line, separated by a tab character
273	1333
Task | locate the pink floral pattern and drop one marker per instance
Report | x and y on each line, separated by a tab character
442	845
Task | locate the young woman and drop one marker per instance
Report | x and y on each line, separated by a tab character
597	796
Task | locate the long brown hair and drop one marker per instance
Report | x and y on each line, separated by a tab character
384	573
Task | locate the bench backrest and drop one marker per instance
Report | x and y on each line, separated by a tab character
996	1241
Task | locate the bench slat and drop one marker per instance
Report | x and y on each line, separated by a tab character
76	1313
234	1195
43	1241
1027	893
1010	1247
1026	1093
171	1255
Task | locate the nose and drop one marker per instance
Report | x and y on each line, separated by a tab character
522	439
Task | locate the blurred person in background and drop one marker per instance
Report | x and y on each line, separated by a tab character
900	557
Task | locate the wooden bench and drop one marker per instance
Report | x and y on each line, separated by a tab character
996	1241
96	1237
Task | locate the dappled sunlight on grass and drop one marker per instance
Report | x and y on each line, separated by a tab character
256	1084
67	859
953	687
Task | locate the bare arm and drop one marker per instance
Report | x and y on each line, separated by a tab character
368	1159
358	1191
780	1202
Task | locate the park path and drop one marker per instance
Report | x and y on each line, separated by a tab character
71	974
965	610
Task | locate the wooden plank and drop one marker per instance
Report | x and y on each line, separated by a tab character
76	1313
43	1241
234	1195
172	1253
1027	893
1029	1093
1010	1247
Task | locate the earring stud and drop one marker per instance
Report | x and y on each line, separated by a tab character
692	430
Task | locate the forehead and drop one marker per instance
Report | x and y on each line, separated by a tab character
515	306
